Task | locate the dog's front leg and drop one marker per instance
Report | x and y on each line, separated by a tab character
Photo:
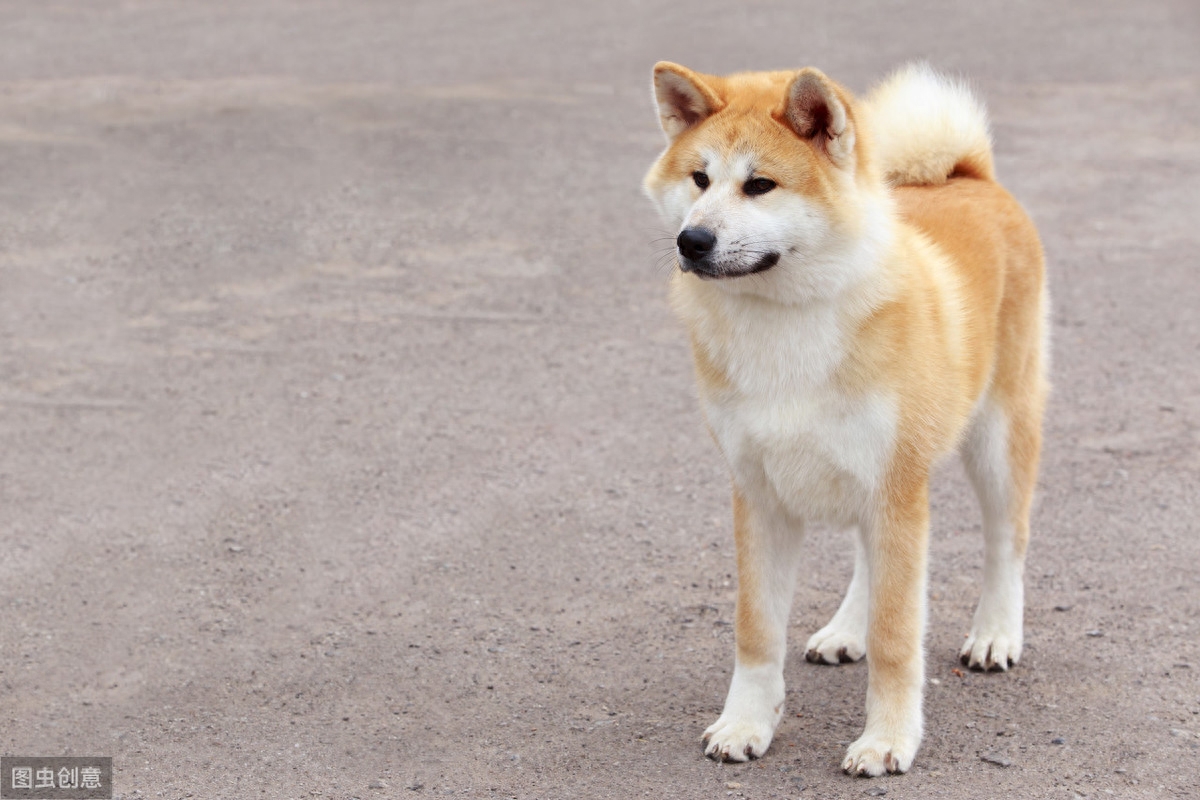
896	550
768	546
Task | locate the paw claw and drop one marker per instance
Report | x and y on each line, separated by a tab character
835	647
737	741
878	756
990	652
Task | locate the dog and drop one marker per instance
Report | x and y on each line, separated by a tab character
861	297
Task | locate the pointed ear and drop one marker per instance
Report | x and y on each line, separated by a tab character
684	100
815	110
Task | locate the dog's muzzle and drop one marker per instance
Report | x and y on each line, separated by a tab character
696	246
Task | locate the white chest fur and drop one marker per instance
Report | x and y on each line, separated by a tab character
788	428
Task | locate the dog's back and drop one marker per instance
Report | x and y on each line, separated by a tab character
933	146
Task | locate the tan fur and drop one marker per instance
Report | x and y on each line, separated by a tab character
938	313
753	642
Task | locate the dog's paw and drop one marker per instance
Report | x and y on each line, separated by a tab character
737	739
994	642
836	645
872	756
991	647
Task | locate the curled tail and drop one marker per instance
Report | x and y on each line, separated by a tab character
927	128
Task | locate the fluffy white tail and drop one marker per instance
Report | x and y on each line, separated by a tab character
928	127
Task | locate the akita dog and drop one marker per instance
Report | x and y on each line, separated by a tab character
862	297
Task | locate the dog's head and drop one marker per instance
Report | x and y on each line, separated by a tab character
764	174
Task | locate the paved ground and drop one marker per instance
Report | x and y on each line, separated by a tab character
348	449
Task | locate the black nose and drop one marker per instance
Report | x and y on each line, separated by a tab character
696	243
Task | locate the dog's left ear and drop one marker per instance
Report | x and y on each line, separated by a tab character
814	109
684	99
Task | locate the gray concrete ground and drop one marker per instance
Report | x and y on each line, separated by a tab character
348	448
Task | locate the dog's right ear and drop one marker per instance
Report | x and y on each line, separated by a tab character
684	99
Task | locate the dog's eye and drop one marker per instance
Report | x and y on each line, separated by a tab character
701	179
756	186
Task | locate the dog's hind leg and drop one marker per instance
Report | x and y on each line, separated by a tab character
1000	454
844	639
768	550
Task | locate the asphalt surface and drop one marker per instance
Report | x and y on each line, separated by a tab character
348	448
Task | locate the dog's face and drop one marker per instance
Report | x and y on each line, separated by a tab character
758	179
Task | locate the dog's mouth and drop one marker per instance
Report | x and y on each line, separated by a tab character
709	271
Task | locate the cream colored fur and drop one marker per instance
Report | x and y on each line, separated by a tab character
927	124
